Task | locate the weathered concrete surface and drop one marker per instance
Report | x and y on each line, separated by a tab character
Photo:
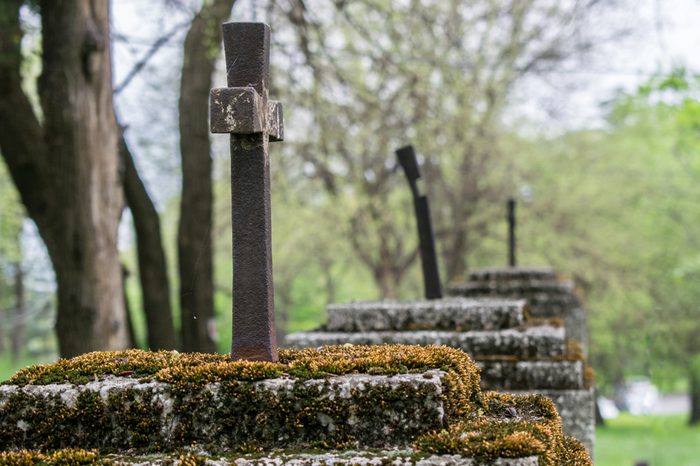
577	411
368	411
531	375
360	458
534	342
546	294
439	314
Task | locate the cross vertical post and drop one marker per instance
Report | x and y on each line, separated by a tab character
243	110
426	238
511	233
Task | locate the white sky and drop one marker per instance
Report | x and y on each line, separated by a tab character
664	34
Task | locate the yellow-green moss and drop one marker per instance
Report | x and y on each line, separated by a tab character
64	457
462	373
509	426
482	425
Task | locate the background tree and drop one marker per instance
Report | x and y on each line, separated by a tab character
201	51
369	77
66	164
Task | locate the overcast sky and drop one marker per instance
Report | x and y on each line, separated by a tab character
663	34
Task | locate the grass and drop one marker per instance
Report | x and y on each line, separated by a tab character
9	367
658	440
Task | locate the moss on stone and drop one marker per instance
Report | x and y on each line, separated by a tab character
509	427
64	457
483	425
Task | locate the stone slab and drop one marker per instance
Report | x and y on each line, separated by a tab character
359	458
513	273
577	411
533	342
439	314
527	375
546	295
368	411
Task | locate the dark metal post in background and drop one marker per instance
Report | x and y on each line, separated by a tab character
511	233
243	110
428	256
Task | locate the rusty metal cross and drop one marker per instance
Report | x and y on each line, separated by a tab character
243	110
426	239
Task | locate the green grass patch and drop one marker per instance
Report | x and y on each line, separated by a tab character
8	367
658	440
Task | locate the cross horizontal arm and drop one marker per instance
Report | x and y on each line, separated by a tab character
239	110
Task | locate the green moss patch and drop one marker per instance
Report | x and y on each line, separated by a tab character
243	417
510	427
65	457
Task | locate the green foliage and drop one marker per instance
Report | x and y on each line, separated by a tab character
11	217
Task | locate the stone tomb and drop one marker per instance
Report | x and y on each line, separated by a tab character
547	295
516	353
332	405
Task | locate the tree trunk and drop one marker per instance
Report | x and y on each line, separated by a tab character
18	329
455	256
67	172
694	374
194	232
388	281
132	343
2	328
153	272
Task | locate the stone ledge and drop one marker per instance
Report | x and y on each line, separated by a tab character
440	314
531	375
563	292
513	273
269	458
577	410
533	342
364	410
359	458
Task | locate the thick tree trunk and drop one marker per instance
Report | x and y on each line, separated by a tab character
194	232
153	272
18	329
81	135
67	172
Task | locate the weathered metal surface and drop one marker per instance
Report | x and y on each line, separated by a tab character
243	110
239	110
511	233
431	273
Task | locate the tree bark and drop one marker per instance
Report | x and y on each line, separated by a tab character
131	333
67	172
694	374
194	231
153	272
18	329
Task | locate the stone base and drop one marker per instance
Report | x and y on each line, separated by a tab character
531	375
534	342
338	405
577	411
438	314
546	295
